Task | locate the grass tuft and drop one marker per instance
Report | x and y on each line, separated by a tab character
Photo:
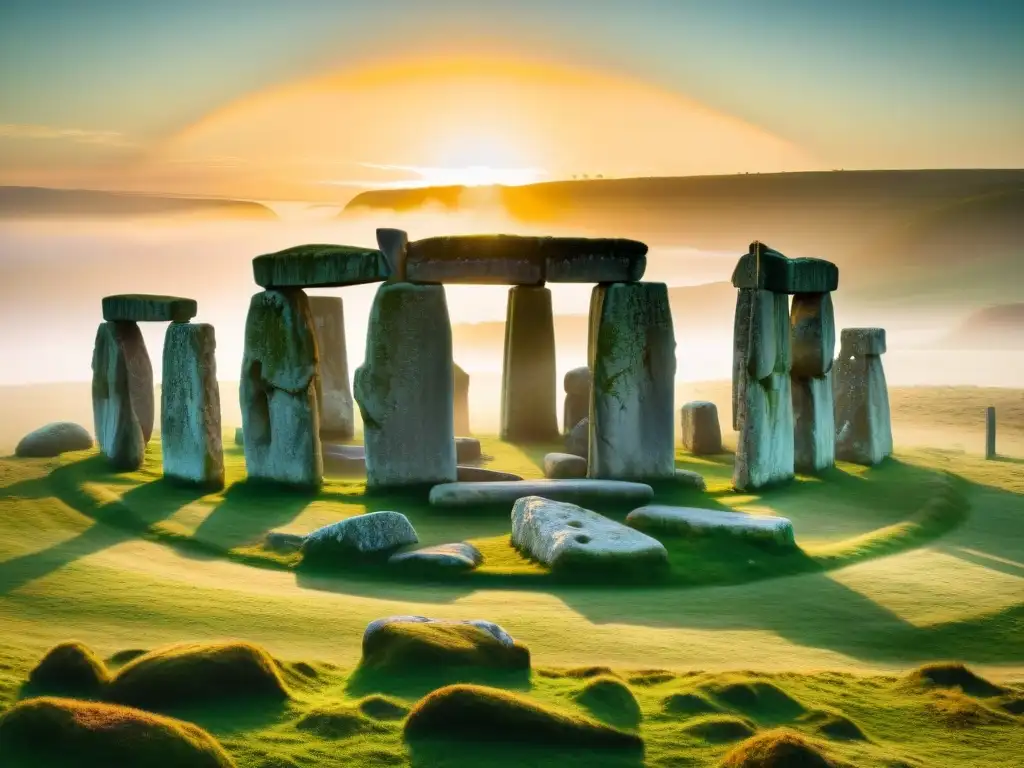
198	674
383	708
833	725
651	677
956	676
689	704
610	700
476	713
337	723
779	748
760	699
69	668
719	729
63	733
958	710
583	673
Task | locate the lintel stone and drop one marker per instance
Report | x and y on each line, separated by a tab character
148	308
320	266
862	341
765	268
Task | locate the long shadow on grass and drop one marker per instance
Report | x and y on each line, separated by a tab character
450	754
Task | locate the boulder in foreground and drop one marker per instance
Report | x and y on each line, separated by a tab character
369	534
54	439
568	538
477	713
64	733
686	521
421	644
583	491
148	308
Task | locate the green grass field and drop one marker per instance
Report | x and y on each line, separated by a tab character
919	560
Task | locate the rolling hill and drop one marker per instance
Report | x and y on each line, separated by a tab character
41	202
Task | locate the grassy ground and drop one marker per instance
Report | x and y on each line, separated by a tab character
918	560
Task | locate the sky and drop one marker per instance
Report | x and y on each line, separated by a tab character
314	99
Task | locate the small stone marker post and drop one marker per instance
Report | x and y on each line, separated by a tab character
990	433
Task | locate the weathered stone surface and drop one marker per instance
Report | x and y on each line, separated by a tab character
148	308
283	543
492	629
687	521
566	537
863	421
765	268
813	334
54	439
482	475
702	434
190	428
346	460
524	260
373	533
278	390
461	400
564	466
862	341
122	394
394	244
764	407
320	266
334	396
577	382
632	356
405	388
467	449
447	557
582	491
691	479
577	442
529	382
415	644
814	436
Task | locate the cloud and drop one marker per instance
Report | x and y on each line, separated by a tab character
77	135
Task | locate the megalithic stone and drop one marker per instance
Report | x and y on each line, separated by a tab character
394	244
632	357
278	390
813	340
405	388
119	366
577	397
460	403
334	396
190	424
529	382
863	420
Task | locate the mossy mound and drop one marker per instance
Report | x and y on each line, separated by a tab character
833	725
651	677
610	700
337	723
583	673
69	668
954	675
198	674
719	729
688	704
476	713
383	708
1014	705
759	698
958	710
780	748
62	733
433	646
123	657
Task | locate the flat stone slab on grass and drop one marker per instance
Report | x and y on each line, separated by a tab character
692	520
443	557
584	491
470	474
373	533
320	266
148	308
568	537
54	439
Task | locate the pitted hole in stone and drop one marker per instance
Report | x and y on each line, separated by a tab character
581	539
574	524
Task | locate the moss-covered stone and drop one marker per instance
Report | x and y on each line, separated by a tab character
320	266
779	748
148	308
529	381
69	668
418	644
63	733
610	700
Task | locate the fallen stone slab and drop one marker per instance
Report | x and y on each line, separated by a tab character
686	521
762	267
148	308
583	491
54	439
458	557
567	537
468	474
564	466
862	341
467	449
702	433
320	266
372	533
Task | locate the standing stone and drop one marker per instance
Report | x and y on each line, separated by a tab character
632	356
813	338
702	434
405	388
577	397
334	396
278	391
577	442
461	401
190	428
862	418
122	394
528	407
